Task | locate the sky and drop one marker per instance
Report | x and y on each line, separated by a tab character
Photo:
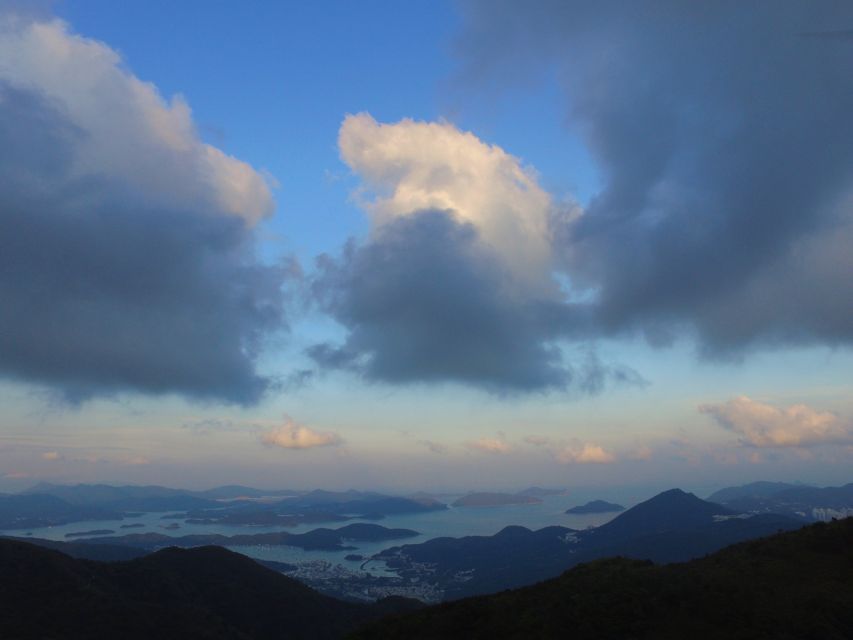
426	245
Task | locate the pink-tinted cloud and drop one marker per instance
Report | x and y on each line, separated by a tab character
763	425
490	445
292	435
572	451
585	453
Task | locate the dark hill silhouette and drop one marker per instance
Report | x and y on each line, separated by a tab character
792	585
207	592
673	510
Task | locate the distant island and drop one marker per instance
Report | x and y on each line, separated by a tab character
539	492
494	500
93	532
596	506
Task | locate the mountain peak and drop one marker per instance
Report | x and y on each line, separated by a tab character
671	510
673	494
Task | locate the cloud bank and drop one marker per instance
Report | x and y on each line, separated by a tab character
292	435
128	260
763	425
723	138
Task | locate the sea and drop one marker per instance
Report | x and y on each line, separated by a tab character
452	522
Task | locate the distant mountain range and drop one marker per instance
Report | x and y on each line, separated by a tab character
486	499
208	592
51	505
797	501
539	492
20	511
673	526
791	585
760	489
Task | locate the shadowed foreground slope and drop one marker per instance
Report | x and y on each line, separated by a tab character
792	585
206	592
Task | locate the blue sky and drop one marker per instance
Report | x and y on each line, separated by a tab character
270	84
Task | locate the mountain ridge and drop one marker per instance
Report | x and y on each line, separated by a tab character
790	585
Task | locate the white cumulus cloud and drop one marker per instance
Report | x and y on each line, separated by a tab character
292	435
411	166
763	425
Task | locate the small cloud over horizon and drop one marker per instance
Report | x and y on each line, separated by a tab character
490	445
434	447
572	451
292	435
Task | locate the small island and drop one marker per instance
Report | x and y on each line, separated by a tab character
539	492
596	506
494	500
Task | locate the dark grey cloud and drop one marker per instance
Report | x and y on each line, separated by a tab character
103	291
425	301
725	143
